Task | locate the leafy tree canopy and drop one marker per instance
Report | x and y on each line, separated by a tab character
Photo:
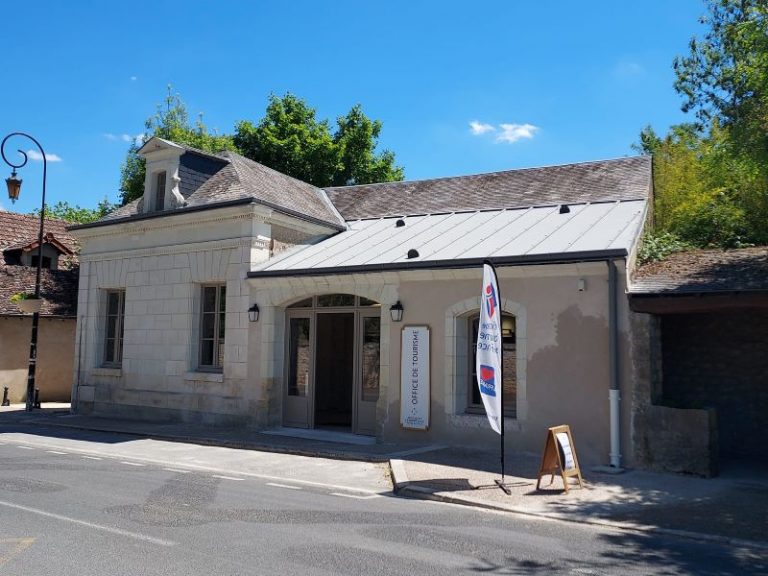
711	176
76	214
292	140
171	122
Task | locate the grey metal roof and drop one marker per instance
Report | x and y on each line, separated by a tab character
618	179
524	233
704	272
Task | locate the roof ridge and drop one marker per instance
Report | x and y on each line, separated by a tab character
492	172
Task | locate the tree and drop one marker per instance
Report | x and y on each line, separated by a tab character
76	214
356	140
171	122
725	76
292	140
711	177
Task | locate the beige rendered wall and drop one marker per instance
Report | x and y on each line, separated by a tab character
563	342
56	346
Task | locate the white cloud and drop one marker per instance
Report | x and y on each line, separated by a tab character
513	132
478	128
2	208
134	78
628	69
138	139
35	155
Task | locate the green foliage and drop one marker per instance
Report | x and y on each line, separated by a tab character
76	214
292	140
711	178
659	246
289	138
20	296
171	122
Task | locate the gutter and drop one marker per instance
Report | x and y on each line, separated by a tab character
203	207
460	263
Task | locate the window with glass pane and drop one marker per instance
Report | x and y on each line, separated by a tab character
370	360
300	357
113	341
160	191
509	366
212	327
333	300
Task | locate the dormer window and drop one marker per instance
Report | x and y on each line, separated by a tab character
160	191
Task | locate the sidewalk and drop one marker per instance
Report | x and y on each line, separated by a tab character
731	508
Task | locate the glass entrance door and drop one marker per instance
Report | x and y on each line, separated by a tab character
367	385
298	392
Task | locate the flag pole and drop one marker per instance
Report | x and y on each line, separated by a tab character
500	483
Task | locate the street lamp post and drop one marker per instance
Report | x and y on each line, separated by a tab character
14	188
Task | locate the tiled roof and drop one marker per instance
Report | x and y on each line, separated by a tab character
619	179
58	289
704	271
241	179
17	230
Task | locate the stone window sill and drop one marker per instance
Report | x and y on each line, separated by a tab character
107	371
204	376
469	420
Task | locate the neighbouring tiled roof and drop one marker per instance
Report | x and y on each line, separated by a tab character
17	230
619	179
58	289
240	178
704	271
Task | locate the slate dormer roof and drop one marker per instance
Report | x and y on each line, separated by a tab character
211	179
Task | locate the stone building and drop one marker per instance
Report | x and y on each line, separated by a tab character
231	293
18	262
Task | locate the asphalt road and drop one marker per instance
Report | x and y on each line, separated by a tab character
101	504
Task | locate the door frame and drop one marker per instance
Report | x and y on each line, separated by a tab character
360	313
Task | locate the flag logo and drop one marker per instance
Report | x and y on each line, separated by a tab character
490	300
487	380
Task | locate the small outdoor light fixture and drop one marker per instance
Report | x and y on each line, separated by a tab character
253	313
14	186
396	311
507	326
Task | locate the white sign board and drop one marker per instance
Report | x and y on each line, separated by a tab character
414	378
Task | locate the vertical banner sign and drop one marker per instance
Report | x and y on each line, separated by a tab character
489	349
414	378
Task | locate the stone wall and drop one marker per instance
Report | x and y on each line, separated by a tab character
718	360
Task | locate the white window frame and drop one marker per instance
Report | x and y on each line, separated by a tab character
219	314
118	341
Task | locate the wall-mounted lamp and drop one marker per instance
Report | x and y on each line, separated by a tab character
507	326
396	311
253	313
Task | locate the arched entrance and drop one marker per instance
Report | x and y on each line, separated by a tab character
332	356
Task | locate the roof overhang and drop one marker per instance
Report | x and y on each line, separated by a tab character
523	260
689	302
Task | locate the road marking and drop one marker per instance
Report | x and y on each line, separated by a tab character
228	477
19	545
25	447
275	484
176	470
354	496
131	463
92	457
118	531
56	452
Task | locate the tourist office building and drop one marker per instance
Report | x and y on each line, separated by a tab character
231	293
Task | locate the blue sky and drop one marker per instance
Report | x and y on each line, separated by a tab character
461	87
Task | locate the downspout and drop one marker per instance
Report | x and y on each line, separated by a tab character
614	394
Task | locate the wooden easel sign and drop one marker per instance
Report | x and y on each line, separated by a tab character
560	457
